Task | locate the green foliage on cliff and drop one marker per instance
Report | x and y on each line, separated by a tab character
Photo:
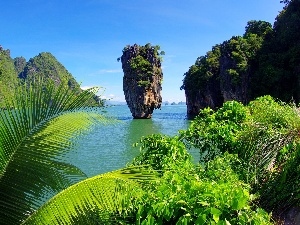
242	50
277	71
142	67
46	65
145	63
20	63
239	51
268	56
8	75
205	67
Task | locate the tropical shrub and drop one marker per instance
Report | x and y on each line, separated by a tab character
187	194
282	190
265	137
214	133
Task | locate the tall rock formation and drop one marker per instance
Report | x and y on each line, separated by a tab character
142	79
264	61
225	72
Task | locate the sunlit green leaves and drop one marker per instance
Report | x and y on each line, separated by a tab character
38	127
105	198
185	194
264	135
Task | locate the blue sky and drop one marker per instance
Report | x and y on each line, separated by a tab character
87	36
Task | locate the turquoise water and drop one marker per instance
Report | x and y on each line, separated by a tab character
109	147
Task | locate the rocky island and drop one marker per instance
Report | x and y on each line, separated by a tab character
142	79
264	61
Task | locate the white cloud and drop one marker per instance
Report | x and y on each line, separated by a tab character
105	71
86	87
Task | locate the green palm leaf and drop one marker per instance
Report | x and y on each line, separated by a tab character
97	200
37	128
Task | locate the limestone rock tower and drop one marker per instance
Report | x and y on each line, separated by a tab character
142	79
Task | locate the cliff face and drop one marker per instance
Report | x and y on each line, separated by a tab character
264	61
219	88
210	96
230	88
142	79
225	72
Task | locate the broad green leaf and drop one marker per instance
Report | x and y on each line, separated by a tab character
215	214
104	196
37	128
201	219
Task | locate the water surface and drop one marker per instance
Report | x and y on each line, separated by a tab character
109	147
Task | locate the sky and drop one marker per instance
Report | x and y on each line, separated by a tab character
87	36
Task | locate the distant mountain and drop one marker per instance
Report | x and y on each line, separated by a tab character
46	65
14	72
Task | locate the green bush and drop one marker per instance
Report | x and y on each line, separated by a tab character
187	194
265	137
214	133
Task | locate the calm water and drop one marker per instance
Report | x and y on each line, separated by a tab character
109	147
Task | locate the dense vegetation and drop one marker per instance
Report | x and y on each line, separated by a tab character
46	65
264	61
277	70
144	62
248	168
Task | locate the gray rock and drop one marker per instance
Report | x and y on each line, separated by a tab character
142	88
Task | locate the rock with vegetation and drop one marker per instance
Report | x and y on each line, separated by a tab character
277	69
142	79
224	73
264	61
20	63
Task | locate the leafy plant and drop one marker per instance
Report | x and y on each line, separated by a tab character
265	137
102	199
186	194
214	133
37	128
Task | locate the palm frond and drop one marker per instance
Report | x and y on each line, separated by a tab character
97	200
36	130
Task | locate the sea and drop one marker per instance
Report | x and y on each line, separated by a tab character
109	147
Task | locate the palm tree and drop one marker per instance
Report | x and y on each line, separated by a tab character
37	128
102	199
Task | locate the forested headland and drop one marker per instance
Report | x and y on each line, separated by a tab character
264	61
